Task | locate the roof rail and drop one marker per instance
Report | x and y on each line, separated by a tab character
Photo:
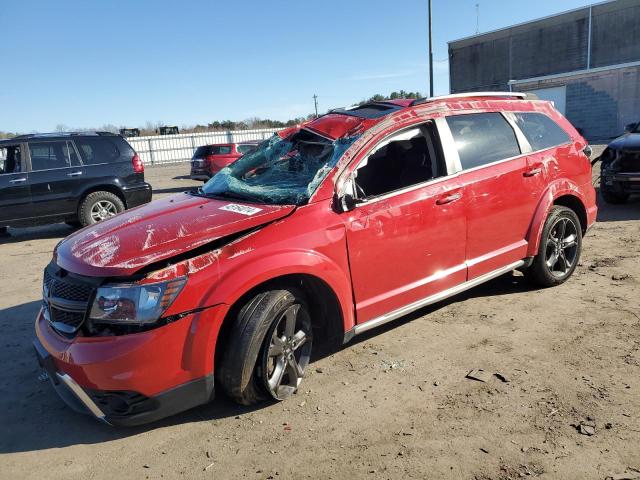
65	134
520	95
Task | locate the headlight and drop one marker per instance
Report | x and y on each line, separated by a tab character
134	304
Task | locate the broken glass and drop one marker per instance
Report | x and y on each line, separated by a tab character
281	170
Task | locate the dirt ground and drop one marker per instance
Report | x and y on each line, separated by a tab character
392	404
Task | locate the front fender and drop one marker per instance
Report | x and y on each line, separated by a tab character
237	281
223	276
554	191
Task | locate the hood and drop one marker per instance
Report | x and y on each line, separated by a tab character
629	141
159	230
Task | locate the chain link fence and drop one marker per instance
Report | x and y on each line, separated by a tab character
166	149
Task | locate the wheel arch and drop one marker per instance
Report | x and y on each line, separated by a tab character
325	308
564	193
103	187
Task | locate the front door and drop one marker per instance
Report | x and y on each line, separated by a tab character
406	239
14	185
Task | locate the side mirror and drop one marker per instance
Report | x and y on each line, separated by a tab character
630	127
346	203
588	151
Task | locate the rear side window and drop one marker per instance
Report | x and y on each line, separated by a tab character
49	155
541	131
206	150
246	148
483	138
96	150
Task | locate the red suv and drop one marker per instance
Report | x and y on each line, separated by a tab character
210	159
325	231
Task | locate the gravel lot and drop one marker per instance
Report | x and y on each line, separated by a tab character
393	404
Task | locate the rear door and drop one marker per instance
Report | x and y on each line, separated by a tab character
14	184
56	172
499	197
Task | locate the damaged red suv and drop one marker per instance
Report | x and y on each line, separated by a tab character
325	231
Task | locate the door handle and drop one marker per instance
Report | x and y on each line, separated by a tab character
533	172
74	174
18	180
534	169
449	198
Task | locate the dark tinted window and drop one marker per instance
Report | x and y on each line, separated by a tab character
94	150
205	150
541	131
408	158
11	160
48	155
246	148
483	138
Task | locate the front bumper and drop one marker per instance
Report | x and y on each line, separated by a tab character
137	195
137	378
621	182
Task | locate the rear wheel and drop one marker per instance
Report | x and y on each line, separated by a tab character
560	248
268	348
614	198
98	206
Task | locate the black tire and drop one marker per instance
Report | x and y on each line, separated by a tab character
552	267
86	212
614	198
243	370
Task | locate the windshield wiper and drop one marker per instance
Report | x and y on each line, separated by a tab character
235	196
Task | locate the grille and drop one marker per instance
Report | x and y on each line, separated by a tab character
72	319
67	291
65	302
630	162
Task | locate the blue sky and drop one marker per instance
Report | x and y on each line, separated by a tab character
86	63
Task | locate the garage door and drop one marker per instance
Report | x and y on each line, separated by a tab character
557	95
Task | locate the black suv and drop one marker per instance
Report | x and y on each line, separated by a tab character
78	178
621	166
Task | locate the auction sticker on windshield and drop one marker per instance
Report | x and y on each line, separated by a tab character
242	209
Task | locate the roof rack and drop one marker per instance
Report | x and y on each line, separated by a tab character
520	95
65	134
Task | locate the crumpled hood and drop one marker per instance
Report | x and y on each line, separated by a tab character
630	141
159	230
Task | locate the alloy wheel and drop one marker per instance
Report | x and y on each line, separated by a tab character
102	210
562	247
288	352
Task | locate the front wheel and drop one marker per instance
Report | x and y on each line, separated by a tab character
560	248
268	348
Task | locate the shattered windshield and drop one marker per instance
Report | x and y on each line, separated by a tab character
280	170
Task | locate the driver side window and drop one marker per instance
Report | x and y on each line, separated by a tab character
11	160
404	159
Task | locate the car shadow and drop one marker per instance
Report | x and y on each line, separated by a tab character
186	188
34	418
618	213
508	284
22	234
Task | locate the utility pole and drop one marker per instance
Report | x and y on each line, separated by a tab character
477	18
430	55
315	101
